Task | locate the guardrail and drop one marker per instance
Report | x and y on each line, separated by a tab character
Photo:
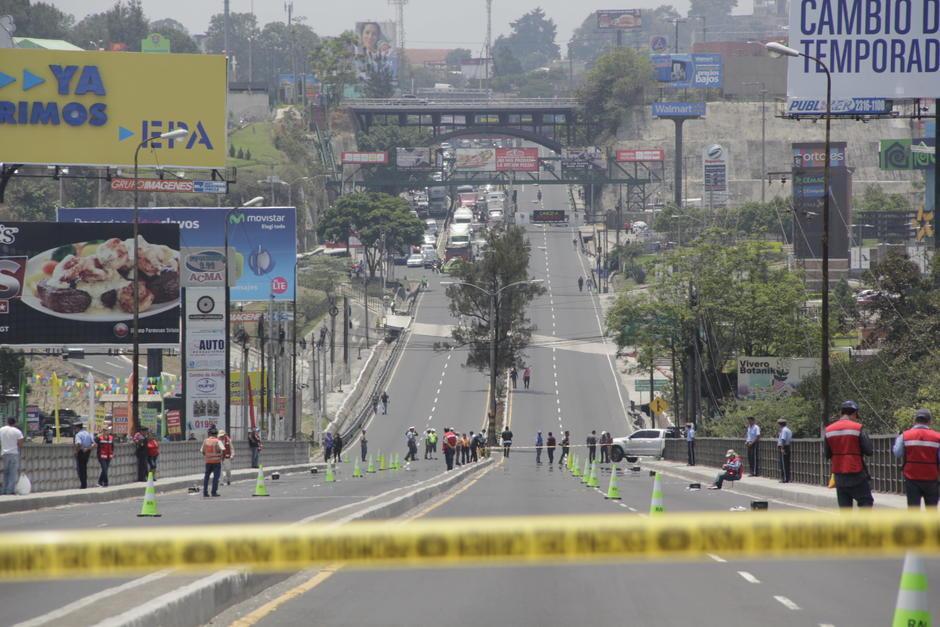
808	463
406	103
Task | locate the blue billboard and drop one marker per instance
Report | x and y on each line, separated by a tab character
685	71
262	240
678	109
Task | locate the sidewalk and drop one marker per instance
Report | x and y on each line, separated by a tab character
761	488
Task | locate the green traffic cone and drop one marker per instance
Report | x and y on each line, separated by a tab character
575	472
592	479
911	607
569	462
345	458
330	478
613	490
371	467
656	503
586	471
260	488
149	508
357	471
381	462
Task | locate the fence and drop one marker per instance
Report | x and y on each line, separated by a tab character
52	466
808	463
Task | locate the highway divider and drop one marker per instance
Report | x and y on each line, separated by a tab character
468	542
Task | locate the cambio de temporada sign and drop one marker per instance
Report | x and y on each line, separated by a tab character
874	48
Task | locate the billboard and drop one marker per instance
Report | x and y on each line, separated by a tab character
678	109
170	186
475	160
642	154
364	158
376	49
619	19
588	158
263	241
94	108
715	175
813	155
418	158
879	49
67	284
762	377
549	215
205	358
808	209
517	159
684	71
907	154
845	106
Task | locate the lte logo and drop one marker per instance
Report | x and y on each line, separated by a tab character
278	285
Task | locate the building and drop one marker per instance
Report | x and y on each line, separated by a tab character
44	44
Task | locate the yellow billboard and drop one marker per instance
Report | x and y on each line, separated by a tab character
94	108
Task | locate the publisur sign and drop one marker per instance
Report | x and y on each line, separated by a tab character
93	108
844	106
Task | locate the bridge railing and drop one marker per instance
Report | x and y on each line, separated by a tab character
472	103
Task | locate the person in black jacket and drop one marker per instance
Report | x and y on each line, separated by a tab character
506	437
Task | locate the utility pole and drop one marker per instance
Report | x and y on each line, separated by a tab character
494	337
763	136
263	384
675	43
346	333
289	7
227	27
652	413
488	49
365	301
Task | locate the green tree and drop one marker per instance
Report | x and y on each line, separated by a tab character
532	40
505	62
124	23
243	29
39	19
333	60
379	81
614	85
875	198
389	136
457	56
844	309
271	50
180	39
12	366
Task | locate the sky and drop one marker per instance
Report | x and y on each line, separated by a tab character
428	23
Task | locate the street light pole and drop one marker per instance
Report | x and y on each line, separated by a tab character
135	392
763	138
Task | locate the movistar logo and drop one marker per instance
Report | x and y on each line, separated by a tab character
236	218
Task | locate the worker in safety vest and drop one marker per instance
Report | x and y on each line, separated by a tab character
212	451
846	445
919	447
105	448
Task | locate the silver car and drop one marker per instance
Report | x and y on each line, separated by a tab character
642	443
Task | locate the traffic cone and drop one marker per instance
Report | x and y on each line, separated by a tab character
370	469
395	465
586	471
569	461
592	478
656	503
345	458
149	508
573	466
613	491
329	473
357	471
260	488
911	609
381	462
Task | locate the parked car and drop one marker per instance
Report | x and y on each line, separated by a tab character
415	261
642	443
430	226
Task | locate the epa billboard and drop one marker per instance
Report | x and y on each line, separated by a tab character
94	108
263	241
517	159
475	160
620	19
413	158
683	71
875	49
73	284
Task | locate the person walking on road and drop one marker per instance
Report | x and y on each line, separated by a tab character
847	445
427	444
375	403
83	445
526	377
565	443
465	449
104	446
539	443
474	447
458	452
337	447
591	442
605	442
327	446
690	442
363	445
731	470
450	447
919	448
140	452
550	445
255	444
212	451
384	403
411	440
784	439
434	439
752	442
228	456
506	438
580	283
513	376
11	441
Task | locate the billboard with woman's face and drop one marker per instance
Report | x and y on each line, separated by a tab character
376	47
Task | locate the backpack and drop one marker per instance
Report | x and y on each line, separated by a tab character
153	447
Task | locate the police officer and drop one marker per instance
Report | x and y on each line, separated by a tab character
690	442
919	447
846	445
752	443
784	439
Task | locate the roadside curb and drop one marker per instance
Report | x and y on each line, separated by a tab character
199	602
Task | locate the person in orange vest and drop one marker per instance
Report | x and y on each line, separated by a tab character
228	455
846	446
212	451
919	448
105	448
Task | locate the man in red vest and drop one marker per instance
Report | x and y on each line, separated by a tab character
919	447
846	444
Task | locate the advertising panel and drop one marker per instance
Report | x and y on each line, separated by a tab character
844	106
263	242
205	357
364	158
619	19
170	186
642	154
875	49
715	175
376	49
235	387
678	109
68	284
204	388
476	160
94	108
813	155
549	215
907	154
517	159
583	158
808	209
684	71
413	158
762	377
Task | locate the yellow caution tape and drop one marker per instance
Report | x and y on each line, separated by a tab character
466	542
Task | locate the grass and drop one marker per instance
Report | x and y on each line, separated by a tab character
846	341
259	139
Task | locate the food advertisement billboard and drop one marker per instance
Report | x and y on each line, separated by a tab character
619	19
94	108
476	160
73	284
517	159
263	242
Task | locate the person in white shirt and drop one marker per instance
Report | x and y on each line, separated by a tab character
11	441
752	441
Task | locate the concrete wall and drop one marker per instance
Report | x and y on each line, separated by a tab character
52	466
248	106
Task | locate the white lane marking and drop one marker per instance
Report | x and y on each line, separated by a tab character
787	603
748	576
826	625
720	560
632	509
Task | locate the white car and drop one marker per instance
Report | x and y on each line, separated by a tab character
496	215
430	226
642	443
415	261
430	239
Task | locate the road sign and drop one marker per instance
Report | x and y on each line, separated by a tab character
643	385
659	405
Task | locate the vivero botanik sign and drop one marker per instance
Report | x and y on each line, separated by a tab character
93	108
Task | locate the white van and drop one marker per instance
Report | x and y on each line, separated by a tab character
459	235
463	215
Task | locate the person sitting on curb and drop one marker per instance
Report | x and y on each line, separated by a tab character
731	470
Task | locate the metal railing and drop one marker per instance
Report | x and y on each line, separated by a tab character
470	103
808	463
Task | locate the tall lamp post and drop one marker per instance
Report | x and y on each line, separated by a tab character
494	339
778	49
135	392
257	200
763	136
